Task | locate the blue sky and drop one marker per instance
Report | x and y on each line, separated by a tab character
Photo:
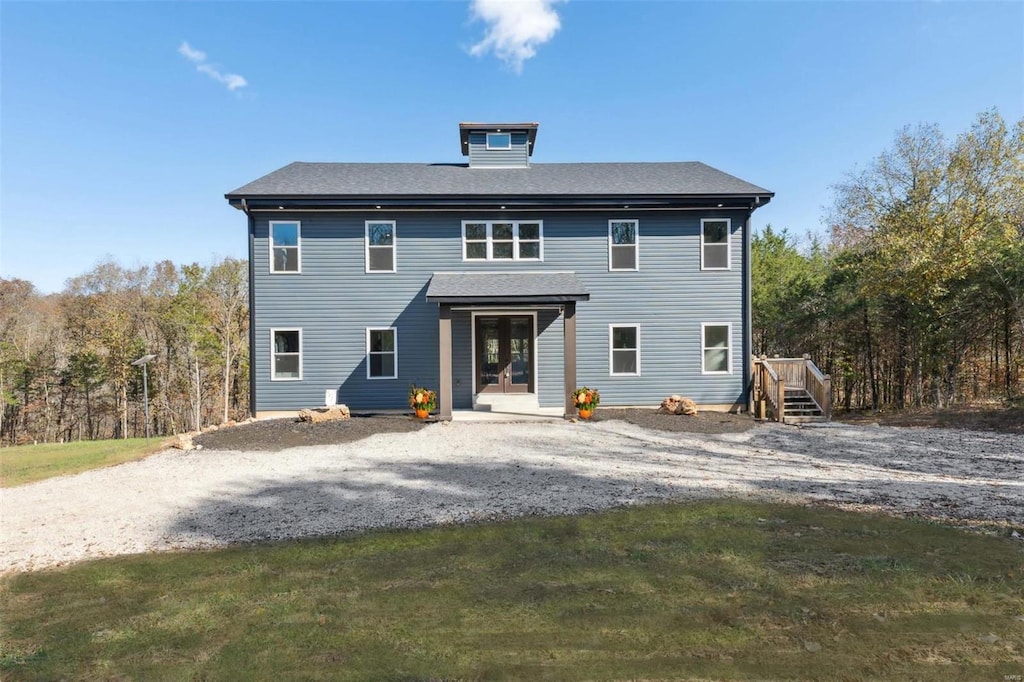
118	140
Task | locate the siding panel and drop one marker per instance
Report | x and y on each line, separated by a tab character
333	300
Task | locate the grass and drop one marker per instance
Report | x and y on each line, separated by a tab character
723	590
30	463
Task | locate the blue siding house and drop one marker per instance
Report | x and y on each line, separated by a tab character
500	282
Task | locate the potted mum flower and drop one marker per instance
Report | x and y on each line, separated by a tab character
586	401
423	400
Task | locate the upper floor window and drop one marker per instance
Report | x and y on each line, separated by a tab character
284	246
716	345
624	349
381	353
714	243
286	354
503	240
380	246
623	247
499	140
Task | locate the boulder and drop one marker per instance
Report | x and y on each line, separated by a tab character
325	414
677	404
183	441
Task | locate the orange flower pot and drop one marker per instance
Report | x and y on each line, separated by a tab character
422	414
586	414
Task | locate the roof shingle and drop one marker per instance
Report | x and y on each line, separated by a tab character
417	179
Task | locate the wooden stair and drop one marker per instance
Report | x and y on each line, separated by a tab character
791	390
801	408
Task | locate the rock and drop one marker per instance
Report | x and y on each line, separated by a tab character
676	404
813	647
183	442
989	638
325	414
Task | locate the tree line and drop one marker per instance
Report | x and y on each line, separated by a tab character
917	296
65	358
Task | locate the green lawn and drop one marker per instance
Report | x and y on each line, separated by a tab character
29	463
722	590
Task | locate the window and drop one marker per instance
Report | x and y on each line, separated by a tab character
284	246
382	353
499	140
380	246
716	357
503	240
624	353
286	354
714	244
622	245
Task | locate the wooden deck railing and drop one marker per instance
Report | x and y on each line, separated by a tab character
772	376
770	388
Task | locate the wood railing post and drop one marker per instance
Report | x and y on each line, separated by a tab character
781	417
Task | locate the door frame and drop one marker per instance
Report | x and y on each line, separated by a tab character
504	312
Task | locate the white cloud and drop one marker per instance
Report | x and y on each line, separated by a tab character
515	28
191	54
231	80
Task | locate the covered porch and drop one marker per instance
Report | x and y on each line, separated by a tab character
488	359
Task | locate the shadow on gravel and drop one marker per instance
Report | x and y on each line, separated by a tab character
361	493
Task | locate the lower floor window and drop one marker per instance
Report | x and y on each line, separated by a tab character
287	354
382	353
716	348
625	349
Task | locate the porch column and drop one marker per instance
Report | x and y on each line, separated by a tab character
569	355
444	340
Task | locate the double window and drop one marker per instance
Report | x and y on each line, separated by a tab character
381	353
285	354
714	243
380	246
284	246
716	348
623	245
624	349
502	240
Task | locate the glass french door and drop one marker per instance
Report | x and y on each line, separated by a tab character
504	354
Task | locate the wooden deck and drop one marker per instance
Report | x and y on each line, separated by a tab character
791	390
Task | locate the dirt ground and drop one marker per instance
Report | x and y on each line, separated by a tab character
973	418
273	435
702	422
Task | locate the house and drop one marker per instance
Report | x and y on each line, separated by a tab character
500	282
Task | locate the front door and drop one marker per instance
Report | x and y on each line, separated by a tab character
504	354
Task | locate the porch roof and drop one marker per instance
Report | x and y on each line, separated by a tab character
506	287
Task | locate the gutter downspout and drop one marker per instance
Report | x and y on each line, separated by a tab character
252	312
748	316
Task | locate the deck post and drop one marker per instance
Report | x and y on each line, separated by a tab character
569	355
782	402
444	339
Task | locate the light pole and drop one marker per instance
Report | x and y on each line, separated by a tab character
142	362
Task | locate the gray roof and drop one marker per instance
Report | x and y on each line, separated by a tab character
302	179
506	287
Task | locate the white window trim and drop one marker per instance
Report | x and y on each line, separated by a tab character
728	242
298	246
393	247
487	142
394	330
636	244
611	350
274	353
703	348
515	241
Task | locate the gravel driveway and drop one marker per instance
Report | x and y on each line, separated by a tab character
457	472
